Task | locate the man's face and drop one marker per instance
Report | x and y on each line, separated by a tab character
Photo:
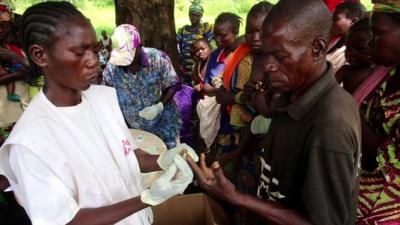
341	24
287	61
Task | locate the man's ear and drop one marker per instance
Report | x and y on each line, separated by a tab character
38	55
319	47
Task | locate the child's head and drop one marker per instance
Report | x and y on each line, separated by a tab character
200	50
358	52
254	22
345	15
226	29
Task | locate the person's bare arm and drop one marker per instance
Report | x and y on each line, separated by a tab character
209	90
8	77
169	93
6	54
108	214
147	162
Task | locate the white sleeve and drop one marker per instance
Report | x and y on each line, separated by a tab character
44	196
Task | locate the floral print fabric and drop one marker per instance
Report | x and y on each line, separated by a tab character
145	88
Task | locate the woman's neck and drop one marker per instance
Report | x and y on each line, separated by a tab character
62	97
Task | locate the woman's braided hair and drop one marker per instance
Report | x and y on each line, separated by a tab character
39	26
232	18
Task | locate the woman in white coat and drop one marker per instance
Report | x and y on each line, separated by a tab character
70	158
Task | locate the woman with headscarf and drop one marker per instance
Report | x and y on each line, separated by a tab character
146	82
188	34
379	198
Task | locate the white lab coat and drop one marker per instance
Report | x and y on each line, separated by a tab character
74	161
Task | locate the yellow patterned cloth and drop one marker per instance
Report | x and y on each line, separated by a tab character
387	6
240	115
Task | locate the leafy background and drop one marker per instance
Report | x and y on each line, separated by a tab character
102	12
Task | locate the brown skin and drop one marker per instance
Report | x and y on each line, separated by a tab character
385	45
195	19
255	90
200	52
253	31
358	55
290	64
69	66
353	77
225	36
293	64
5	29
342	24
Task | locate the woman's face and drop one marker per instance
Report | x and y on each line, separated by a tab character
72	63
200	51
195	18
385	41
224	35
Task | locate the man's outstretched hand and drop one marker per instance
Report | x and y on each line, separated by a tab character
213	179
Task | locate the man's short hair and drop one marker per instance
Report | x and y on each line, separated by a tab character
310	18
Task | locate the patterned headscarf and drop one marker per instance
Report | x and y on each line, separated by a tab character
386	6
6	10
196	7
125	41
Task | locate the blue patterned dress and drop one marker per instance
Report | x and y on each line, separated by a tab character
145	88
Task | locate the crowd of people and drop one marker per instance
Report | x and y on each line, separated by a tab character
298	117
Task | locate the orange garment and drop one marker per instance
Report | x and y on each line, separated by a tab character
232	63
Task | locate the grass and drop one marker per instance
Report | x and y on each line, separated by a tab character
103	18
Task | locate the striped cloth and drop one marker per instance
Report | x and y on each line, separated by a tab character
379	196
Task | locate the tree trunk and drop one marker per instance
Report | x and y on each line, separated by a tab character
155	21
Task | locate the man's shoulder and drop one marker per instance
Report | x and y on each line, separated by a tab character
336	120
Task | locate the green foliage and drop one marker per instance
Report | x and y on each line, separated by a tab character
102	12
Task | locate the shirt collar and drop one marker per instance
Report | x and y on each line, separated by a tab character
311	97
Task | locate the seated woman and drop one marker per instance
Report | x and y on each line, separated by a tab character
81	166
